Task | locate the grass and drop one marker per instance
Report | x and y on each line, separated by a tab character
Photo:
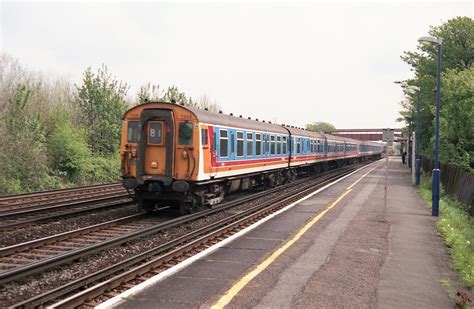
457	228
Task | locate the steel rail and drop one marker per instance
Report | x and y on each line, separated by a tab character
58	292
217	230
62	204
53	192
42	265
107	203
14	249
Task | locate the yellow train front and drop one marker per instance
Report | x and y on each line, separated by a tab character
160	155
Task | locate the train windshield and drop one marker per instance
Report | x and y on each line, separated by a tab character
132	132
185	135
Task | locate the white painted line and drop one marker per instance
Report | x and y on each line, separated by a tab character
167	273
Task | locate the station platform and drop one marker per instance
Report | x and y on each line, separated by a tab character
345	246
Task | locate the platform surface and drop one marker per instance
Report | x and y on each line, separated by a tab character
366	251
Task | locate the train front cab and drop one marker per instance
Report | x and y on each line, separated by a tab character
159	155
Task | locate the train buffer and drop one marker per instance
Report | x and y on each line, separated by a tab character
349	245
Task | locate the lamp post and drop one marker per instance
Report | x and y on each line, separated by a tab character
436	173
417	136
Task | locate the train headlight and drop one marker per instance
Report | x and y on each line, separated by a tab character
154	164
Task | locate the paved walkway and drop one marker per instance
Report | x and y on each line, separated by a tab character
364	252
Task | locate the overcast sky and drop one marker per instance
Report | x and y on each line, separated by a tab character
293	63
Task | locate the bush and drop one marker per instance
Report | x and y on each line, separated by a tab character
457	228
68	151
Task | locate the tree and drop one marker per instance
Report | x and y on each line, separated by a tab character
172	94
101	101
205	102
320	126
149	93
458	55
457	118
23	155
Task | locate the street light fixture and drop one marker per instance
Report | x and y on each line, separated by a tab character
436	173
417	136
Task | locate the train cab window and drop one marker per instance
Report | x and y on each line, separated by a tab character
185	133
224	143
155	132
132	132
240	144
284	145
258	144
272	144
204	140
249	144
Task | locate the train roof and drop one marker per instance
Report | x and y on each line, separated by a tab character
214	118
233	121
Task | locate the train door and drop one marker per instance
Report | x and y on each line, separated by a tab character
155	152
156	143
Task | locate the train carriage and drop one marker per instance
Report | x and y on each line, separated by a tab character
184	157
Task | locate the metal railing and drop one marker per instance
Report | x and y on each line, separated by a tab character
457	182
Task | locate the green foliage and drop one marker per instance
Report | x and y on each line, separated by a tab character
457	57
104	169
23	157
68	151
457	228
457	118
320	126
172	94
102	104
54	134
149	93
42	145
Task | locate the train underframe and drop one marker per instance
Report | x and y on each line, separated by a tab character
153	196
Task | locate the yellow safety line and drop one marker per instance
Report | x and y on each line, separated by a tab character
234	290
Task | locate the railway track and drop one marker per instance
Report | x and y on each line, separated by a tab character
46	197
169	253
22	210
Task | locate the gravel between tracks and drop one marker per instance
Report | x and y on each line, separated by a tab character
58	225
15	292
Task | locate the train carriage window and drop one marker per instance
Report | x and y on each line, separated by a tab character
298	145
132	132
272	144
284	145
278	144
312	146
240	144
249	144
224	143
204	137
258	144
185	134
155	132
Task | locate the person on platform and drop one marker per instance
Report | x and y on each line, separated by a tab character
404	155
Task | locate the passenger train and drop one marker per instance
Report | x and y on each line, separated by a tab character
184	157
